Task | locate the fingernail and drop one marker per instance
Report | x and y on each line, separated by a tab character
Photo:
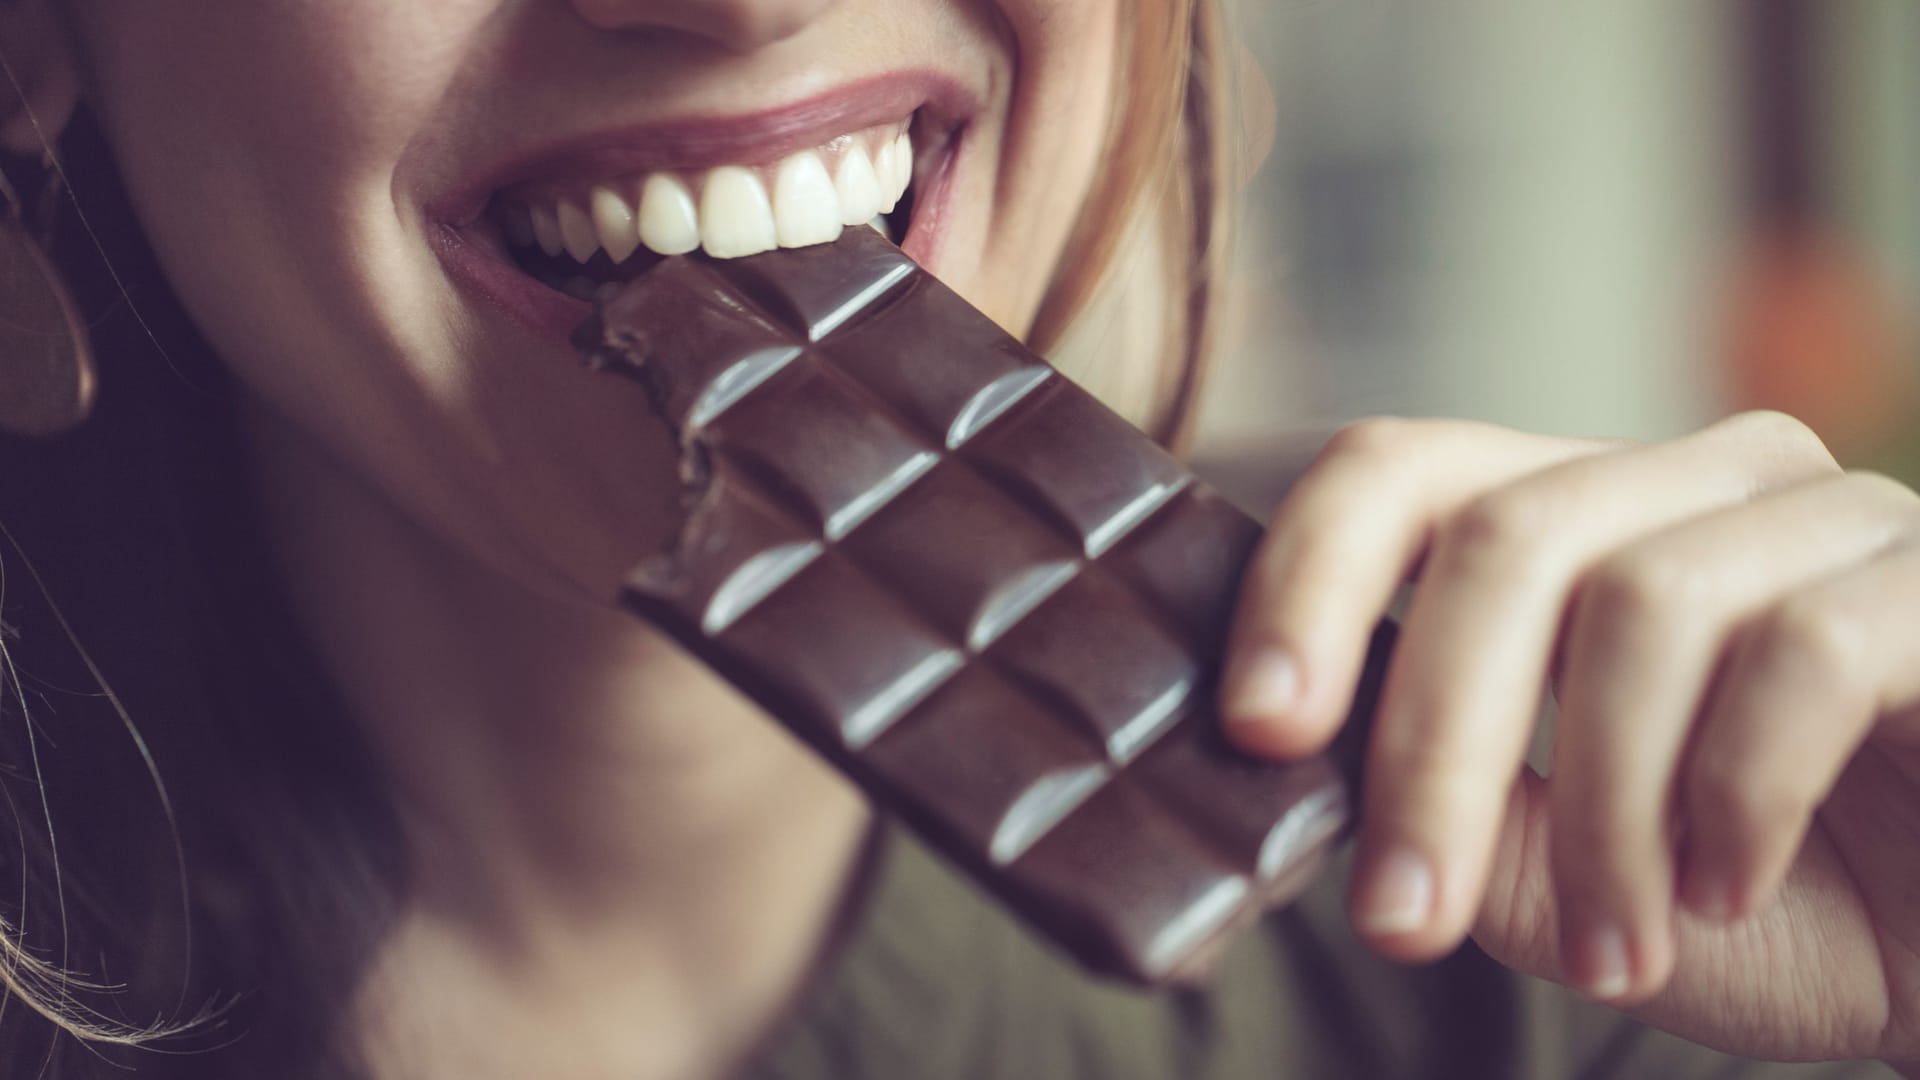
1396	896
1266	687
1607	970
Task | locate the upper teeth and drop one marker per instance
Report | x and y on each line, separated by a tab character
730	211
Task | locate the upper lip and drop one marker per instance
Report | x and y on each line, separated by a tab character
699	142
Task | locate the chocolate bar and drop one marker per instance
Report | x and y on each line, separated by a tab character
992	602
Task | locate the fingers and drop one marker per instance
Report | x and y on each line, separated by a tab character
1462	695
1645	560
1346	538
1518	923
1803	685
1356	526
1649	624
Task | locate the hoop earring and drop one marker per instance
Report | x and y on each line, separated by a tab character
46	361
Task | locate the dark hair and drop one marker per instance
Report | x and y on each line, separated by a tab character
142	530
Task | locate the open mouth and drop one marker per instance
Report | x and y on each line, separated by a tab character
583	239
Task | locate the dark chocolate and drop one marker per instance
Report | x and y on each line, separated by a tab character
991	601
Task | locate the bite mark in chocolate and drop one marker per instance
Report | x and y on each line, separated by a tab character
989	600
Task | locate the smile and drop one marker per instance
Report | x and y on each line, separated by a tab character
556	231
578	240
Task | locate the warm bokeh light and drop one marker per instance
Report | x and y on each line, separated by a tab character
1626	218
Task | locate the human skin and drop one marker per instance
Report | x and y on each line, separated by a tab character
1730	837
598	820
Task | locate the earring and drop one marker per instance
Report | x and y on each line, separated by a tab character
46	363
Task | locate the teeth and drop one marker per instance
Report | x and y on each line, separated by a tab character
735	217
576	232
893	168
806	209
669	224
886	167
546	229
731	213
903	166
613	222
858	188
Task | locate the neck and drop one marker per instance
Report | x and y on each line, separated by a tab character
595	820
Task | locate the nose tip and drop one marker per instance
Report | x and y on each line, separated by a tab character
738	25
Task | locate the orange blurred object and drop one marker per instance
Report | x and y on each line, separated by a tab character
1815	333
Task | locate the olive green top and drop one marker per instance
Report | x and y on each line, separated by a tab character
931	981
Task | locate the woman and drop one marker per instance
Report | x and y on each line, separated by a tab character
443	814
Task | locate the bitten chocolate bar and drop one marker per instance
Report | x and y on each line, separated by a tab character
992	602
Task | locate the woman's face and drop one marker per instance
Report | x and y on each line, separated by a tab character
340	193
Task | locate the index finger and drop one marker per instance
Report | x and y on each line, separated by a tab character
1351	531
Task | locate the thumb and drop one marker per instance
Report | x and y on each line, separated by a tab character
1518	923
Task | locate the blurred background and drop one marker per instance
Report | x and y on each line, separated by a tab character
1626	217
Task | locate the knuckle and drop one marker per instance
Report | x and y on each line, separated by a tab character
1586	843
1424	779
1374	438
1738	800
1807	637
1602	828
1501	533
1414	752
1635	589
1789	436
1598	866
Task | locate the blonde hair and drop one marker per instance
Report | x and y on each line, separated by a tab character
1131	312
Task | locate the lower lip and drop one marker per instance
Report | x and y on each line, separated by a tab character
501	285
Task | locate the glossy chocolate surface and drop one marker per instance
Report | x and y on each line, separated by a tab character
994	603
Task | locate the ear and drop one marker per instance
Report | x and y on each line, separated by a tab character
43	89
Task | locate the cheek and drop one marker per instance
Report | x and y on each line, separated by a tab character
260	142
1061	101
337	68
257	143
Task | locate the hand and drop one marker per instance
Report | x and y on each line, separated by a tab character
1729	841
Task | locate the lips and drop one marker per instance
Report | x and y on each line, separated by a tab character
543	234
